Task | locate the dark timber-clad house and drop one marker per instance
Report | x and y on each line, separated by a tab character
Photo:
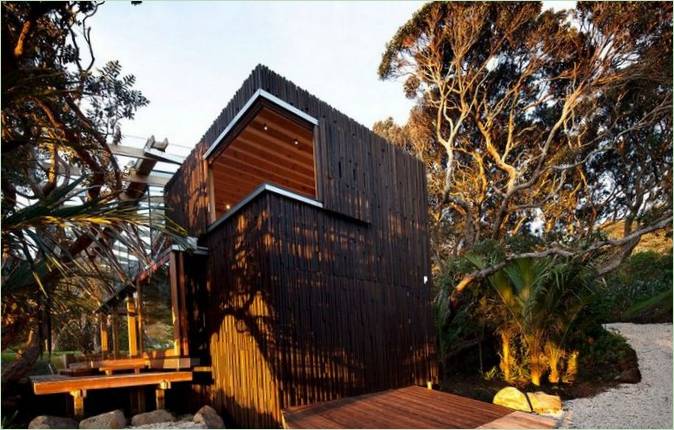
312	277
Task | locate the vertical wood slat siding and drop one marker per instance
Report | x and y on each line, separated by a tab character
298	316
305	304
342	155
186	194
241	316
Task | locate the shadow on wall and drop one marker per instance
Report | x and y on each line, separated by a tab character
297	312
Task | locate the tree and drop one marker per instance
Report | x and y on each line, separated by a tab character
62	202
533	118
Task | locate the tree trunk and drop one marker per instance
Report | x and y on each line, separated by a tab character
25	358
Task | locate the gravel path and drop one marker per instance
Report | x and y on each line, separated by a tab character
647	404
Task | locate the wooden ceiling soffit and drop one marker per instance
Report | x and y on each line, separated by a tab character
259	100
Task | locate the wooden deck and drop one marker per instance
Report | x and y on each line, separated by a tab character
410	407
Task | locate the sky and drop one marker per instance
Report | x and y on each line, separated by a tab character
189	58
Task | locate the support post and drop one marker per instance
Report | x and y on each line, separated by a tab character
104	333
176	273
131	324
137	400
115	333
78	402
159	394
139	313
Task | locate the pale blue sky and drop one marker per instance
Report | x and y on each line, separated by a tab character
190	57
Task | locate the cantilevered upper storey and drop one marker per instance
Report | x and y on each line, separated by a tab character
316	279
273	132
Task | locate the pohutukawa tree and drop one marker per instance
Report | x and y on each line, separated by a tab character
540	121
61	187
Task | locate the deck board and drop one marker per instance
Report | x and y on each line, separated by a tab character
409	407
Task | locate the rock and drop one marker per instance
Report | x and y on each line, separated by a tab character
545	404
207	415
109	420
51	422
512	398
154	417
629	376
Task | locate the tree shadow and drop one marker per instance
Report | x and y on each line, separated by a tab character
295	313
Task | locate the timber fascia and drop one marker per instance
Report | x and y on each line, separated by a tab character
257	192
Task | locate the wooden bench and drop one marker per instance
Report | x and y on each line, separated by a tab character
77	371
109	366
77	386
108	370
151	362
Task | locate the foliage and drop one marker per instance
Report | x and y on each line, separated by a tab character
538	121
639	290
530	305
63	201
546	311
394	134
645	273
537	129
157	316
604	355
41	366
8	420
651	310
77	326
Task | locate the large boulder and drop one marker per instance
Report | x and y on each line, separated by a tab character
512	398
51	422
109	420
207	415
545	404
154	417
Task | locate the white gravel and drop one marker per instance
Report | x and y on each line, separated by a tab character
647	404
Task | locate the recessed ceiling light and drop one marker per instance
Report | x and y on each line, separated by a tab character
265	127
295	142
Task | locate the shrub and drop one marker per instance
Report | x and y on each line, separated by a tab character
536	320
639	290
653	309
603	355
534	304
528	309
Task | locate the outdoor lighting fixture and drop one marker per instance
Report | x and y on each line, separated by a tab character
265	127
295	142
228	207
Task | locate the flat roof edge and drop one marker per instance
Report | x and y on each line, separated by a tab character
259	190
260	93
